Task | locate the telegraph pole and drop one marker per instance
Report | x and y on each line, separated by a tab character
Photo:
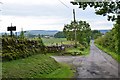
75	28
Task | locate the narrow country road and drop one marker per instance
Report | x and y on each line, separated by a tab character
96	65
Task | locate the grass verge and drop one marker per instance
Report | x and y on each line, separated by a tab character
62	72
113	54
77	51
36	66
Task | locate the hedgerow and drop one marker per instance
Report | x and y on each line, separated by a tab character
13	48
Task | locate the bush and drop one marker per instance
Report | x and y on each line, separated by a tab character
81	47
107	41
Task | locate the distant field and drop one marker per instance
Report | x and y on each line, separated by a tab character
54	41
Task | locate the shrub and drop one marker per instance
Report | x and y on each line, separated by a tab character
81	47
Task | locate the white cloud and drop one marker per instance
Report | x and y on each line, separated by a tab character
29	2
100	24
34	2
46	15
32	22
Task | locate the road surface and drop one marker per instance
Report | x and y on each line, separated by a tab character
96	65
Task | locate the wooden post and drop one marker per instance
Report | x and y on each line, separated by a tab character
75	28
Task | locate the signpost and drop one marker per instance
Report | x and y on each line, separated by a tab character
11	28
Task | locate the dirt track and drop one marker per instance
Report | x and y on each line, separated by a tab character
96	65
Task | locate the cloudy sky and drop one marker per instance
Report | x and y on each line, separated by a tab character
46	15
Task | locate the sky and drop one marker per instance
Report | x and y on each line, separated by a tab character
46	15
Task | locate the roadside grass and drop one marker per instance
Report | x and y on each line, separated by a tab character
36	66
113	54
0	69
77	51
72	52
53	41
62	72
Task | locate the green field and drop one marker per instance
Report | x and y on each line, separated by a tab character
36	66
53	41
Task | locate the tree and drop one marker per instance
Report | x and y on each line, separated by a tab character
107	41
95	34
106	9
68	31
39	36
5	35
59	35
22	36
83	31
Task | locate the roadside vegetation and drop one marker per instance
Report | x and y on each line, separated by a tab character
77	51
111	53
109	44
36	66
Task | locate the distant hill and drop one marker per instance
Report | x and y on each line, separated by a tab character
104	31
41	32
47	32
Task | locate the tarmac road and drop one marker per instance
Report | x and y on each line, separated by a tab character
96	65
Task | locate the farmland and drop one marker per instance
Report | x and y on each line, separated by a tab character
53	41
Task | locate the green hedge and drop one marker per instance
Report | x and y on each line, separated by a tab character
13	49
